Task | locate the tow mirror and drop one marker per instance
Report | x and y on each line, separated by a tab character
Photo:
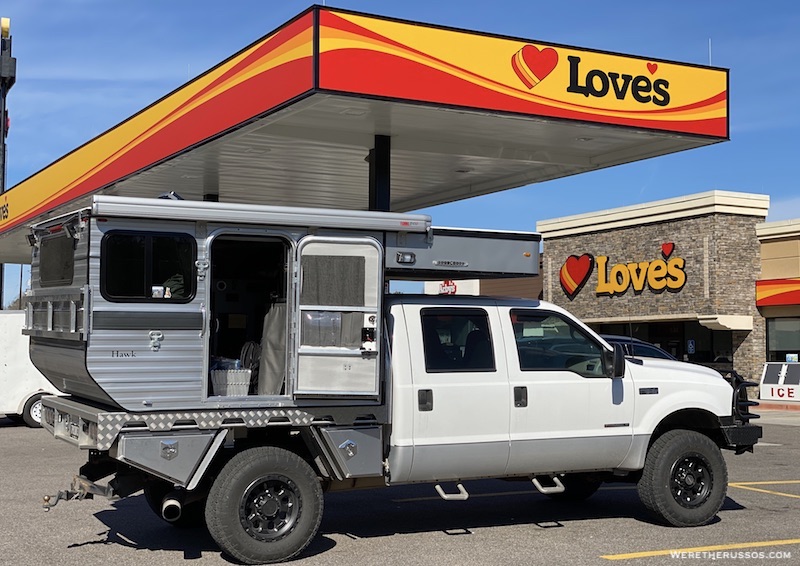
615	362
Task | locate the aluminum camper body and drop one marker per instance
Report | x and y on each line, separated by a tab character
153	304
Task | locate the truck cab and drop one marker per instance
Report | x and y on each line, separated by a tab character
525	383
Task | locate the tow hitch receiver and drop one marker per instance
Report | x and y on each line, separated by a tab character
82	488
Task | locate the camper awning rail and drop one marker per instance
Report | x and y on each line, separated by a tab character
103	205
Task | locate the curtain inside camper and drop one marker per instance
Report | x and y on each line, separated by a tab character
336	282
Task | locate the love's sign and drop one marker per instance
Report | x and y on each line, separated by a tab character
665	273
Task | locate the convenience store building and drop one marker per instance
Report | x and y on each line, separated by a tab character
680	273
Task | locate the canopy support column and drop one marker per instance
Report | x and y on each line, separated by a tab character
379	167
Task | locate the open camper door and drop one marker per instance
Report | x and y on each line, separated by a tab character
339	292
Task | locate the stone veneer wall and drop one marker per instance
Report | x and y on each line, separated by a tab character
723	262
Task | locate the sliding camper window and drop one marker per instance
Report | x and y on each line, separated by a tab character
147	267
56	260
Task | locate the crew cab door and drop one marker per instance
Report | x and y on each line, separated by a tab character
460	398
567	415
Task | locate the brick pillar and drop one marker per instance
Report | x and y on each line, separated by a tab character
749	350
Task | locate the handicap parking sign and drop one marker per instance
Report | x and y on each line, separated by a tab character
690	349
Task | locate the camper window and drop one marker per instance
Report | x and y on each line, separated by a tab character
56	260
142	266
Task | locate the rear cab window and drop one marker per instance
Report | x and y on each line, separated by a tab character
457	340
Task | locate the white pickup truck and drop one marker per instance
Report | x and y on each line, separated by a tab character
237	361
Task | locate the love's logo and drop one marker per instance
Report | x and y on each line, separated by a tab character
575	273
667	274
533	65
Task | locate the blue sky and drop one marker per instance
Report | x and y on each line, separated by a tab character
86	65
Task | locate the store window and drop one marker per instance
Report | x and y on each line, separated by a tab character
783	339
140	266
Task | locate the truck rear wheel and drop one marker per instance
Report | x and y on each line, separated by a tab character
684	480
32	413
264	506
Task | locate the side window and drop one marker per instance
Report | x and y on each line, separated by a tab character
546	341
56	260
142	266
457	339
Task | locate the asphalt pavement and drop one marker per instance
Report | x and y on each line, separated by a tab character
501	523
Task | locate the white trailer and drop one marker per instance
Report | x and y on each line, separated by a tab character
21	384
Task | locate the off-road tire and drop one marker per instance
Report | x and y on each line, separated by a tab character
684	480
192	514
32	413
577	487
264	506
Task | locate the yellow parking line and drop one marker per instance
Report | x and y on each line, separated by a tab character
770	491
748	485
670	551
779	482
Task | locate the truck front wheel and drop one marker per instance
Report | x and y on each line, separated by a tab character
684	480
264	506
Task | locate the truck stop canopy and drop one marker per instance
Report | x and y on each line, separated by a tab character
347	110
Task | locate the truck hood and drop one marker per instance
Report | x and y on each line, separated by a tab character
674	369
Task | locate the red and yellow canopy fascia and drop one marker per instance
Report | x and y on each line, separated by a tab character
331	51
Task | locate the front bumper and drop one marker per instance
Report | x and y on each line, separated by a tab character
741	437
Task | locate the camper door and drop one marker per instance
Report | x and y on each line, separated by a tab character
339	295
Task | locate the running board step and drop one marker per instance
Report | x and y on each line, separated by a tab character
462	494
557	486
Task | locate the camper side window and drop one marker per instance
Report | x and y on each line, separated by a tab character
56	260
144	266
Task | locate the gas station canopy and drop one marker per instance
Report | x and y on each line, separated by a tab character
308	114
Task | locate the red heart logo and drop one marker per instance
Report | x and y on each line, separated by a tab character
532	65
575	272
667	249
652	67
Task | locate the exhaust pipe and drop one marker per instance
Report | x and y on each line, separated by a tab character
171	508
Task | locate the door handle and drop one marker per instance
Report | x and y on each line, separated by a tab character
156	336
425	399
521	396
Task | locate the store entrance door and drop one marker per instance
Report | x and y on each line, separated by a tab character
668	336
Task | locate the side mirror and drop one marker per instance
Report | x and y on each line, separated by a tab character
615	362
